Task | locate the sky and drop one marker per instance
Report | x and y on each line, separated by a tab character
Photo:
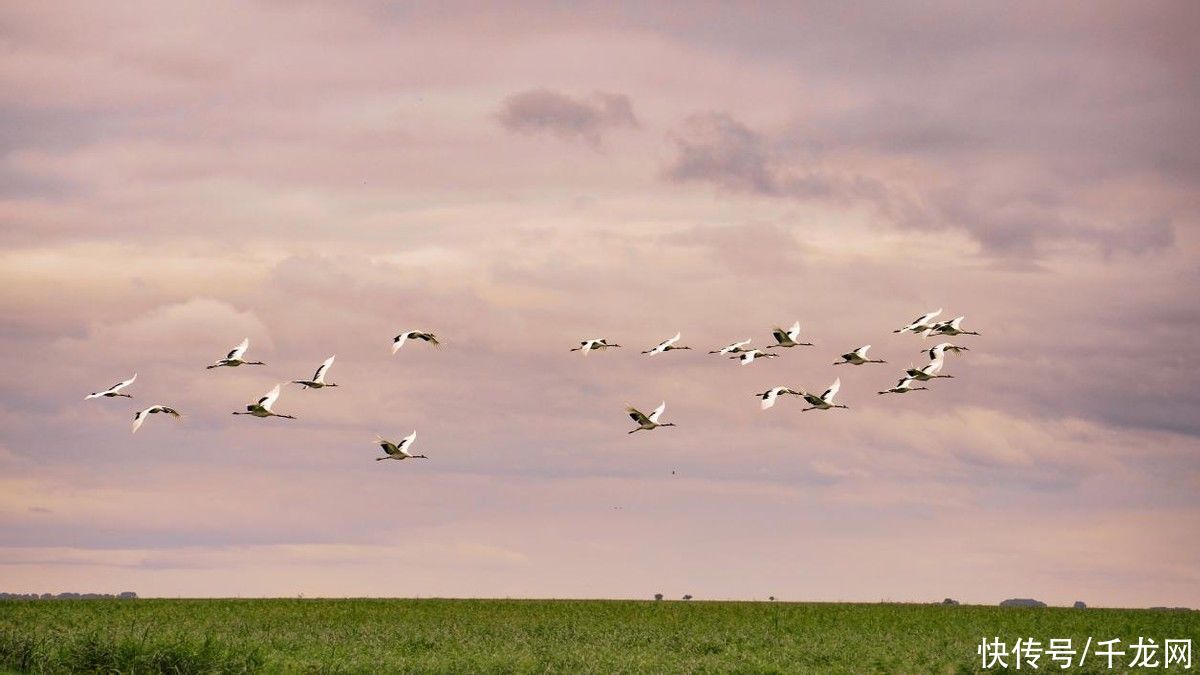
319	176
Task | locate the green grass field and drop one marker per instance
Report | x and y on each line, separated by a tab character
495	636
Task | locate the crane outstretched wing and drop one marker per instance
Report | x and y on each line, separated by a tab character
832	391
406	442
658	412
121	385
398	341
322	368
388	446
738	345
139	417
637	415
269	398
768	399
236	352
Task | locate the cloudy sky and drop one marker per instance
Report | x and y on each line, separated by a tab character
318	176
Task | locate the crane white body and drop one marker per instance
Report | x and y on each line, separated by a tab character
234	358
318	378
114	390
666	345
903	387
140	416
920	323
398	451
399	340
939	351
951	328
929	371
593	345
788	338
825	400
732	348
858	357
262	407
747	357
648	422
770	396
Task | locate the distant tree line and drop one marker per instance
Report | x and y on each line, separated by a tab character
126	595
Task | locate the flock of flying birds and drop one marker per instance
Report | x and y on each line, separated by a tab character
924	325
263	406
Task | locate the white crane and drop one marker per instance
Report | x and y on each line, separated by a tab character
141	415
952	327
399	340
937	351
593	345
904	386
399	450
929	371
858	357
234	358
732	348
749	356
114	390
771	395
788	338
824	401
648	422
920	323
666	345
262	407
318	378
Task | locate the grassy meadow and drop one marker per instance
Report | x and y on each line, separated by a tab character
506	636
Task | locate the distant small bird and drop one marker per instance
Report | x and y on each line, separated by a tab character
858	357
141	415
593	345
666	345
318	378
824	401
648	422
937	351
399	340
920	323
904	386
113	390
733	348
788	338
398	450
749	356
262	407
769	396
952	327
234	358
